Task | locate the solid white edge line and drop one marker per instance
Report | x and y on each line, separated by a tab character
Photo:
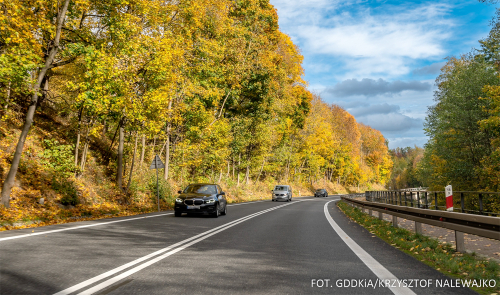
127	265
78	227
101	223
378	269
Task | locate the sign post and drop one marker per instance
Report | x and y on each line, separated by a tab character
449	198
157	164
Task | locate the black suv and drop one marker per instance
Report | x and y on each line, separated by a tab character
320	193
201	198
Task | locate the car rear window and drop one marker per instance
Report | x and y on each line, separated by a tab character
280	188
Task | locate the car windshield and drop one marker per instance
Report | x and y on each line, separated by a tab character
280	188
319	190
200	189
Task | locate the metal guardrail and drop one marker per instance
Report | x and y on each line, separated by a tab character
350	196
482	203
485	226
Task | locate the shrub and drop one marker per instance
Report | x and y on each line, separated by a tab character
68	191
58	157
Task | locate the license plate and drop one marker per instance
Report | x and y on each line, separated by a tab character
193	207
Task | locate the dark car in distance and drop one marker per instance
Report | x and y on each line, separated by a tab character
320	193
201	198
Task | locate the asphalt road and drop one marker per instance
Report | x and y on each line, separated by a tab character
306	246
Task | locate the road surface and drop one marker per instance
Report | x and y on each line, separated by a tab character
307	246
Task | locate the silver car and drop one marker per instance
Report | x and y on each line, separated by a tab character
282	193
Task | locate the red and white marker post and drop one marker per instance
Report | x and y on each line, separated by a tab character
449	198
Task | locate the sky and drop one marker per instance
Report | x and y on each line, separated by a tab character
379	59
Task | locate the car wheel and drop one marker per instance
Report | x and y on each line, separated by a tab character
225	210
178	214
217	211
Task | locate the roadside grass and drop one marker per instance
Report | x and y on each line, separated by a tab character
439	255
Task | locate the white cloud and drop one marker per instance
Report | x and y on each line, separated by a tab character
359	39
391	122
368	44
371	87
374	109
432	69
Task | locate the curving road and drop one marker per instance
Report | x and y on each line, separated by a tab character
306	246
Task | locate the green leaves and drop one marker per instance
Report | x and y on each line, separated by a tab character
58	157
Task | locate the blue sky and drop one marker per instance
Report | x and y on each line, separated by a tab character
379	59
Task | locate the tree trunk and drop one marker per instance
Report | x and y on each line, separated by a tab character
7	100
104	128
80	113
77	146
108	154
85	149
167	151
238	170
143	149
84	157
247	175
119	174
11	176
261	168
132	165
232	162
220	176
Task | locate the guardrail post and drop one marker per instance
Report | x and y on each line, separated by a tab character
418	227
436	200
394	221
380	215
400	202
370	212
426	203
462	202
481	204
459	241
411	198
418	199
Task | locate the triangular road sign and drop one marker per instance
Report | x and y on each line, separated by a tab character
157	163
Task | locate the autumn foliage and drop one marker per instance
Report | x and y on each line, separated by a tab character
211	86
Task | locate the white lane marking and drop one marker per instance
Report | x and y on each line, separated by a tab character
77	227
199	237
378	269
247	203
96	224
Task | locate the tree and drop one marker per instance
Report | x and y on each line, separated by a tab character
53	39
452	123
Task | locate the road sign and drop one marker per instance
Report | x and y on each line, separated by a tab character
449	198
157	163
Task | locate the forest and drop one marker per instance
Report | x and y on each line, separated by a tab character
463	125
92	90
